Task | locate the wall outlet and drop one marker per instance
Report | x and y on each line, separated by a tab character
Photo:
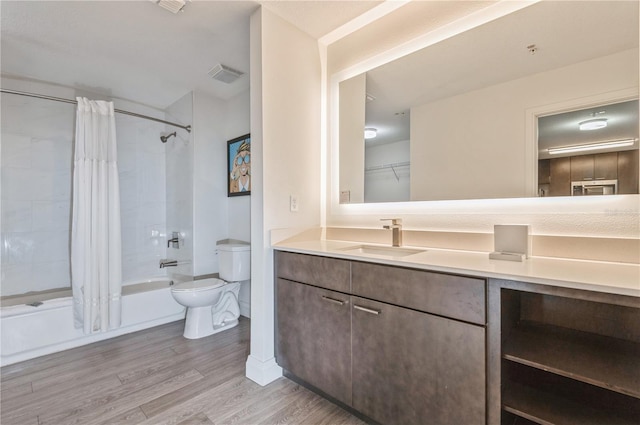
293	203
345	196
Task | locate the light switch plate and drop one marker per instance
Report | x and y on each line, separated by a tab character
293	203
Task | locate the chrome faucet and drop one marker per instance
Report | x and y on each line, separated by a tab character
396	228
168	263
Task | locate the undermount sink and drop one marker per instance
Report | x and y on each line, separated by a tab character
387	251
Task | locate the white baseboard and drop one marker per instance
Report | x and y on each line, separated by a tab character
263	373
245	309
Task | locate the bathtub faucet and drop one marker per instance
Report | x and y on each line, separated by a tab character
168	263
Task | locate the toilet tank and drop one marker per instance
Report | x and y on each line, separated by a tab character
234	262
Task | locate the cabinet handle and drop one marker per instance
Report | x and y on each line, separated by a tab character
333	300
600	178
367	310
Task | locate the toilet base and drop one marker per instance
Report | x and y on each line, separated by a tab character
201	325
208	320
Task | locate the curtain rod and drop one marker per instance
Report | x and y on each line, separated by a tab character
120	111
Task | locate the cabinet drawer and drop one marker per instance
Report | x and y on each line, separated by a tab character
458	297
324	272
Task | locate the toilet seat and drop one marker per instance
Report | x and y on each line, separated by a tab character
198	285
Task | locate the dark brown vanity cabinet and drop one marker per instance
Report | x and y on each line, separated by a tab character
385	347
314	337
411	367
568	356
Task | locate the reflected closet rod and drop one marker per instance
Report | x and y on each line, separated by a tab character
120	111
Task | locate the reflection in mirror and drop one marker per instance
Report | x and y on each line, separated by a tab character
469	99
591	151
386	152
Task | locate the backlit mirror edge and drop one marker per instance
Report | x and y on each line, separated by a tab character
483	16
348	214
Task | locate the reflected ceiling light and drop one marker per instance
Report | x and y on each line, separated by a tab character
592	146
593	124
370	133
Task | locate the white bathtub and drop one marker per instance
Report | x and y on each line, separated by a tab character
28	332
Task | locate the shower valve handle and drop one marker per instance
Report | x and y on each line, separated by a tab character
175	240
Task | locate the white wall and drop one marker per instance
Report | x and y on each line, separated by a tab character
142	171
216	216
285	128
209	182
486	154
239	207
387	185
179	185
37	165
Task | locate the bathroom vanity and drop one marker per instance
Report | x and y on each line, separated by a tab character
412	339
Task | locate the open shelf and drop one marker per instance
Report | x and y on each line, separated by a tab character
550	409
569	358
606	362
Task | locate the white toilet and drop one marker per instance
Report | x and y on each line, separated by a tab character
212	304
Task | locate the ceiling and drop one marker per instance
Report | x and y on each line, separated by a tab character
563	32
138	51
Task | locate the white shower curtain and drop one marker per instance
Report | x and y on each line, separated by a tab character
96	269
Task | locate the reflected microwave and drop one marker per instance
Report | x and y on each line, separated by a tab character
594	187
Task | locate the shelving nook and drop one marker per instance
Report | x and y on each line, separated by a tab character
569	357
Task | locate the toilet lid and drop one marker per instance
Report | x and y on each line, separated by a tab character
198	285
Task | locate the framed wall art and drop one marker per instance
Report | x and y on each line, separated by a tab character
239	163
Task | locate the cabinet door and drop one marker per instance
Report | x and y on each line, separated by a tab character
544	171
582	167
416	368
606	166
628	172
314	337
560	180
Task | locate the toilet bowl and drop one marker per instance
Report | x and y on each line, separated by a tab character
212	306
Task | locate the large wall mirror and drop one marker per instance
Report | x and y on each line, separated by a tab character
487	113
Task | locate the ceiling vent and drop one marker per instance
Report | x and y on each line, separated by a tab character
173	6
224	73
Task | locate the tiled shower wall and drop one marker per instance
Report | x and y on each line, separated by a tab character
37	156
143	205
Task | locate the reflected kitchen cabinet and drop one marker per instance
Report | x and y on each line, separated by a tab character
628	172
544	171
556	176
560	177
603	166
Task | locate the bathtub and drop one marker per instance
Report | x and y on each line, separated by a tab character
28	332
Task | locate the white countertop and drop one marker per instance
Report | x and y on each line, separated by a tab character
614	278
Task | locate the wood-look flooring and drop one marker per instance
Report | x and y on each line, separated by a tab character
156	376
